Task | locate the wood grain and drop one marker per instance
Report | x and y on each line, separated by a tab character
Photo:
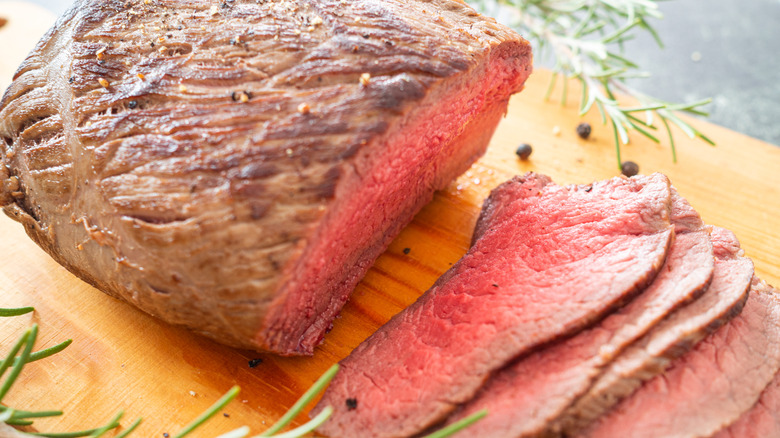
121	358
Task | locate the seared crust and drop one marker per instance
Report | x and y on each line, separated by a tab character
182	155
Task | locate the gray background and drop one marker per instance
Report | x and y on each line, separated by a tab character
737	44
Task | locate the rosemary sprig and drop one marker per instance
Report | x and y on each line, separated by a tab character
586	40
13	417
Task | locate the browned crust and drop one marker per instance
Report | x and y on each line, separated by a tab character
147	145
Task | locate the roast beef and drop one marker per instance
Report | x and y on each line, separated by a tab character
763	419
546	261
653	354
235	167
709	387
527	396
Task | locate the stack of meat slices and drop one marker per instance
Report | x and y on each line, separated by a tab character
597	310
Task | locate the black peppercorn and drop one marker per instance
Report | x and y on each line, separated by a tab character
255	362
351	404
407	250
524	151
132	104
583	130
629	168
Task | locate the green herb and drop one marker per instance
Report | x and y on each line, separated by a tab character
305	399
43	354
13	417
129	429
586	40
16	312
210	412
458	425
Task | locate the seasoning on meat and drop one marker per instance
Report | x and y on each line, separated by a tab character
197	212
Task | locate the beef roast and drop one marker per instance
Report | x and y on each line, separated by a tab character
236	167
763	419
527	396
546	261
709	387
653	354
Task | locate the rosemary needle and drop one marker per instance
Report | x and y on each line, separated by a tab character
43	354
305	399
111	425
459	425
308	427
216	407
16	312
241	432
7	415
28	414
129	430
29	338
10	359
78	434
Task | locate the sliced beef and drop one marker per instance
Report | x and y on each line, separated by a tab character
546	261
709	387
763	419
654	353
526	397
236	168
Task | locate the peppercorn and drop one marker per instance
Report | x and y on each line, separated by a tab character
583	130
133	104
629	168
351	404
524	151
407	250
253	363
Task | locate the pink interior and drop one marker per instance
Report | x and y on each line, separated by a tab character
435	143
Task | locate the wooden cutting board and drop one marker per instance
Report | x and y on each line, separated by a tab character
123	359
